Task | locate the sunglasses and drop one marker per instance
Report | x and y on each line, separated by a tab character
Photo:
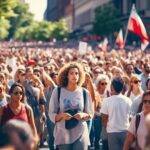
17	93
22	74
103	83
135	82
146	102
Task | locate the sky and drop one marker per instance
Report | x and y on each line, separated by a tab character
37	7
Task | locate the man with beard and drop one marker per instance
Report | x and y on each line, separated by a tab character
145	75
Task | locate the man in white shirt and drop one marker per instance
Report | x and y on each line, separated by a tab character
115	115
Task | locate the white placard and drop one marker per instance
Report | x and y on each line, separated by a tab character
82	47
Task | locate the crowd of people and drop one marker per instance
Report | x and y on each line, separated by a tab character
97	100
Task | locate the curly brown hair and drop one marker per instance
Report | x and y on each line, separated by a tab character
63	74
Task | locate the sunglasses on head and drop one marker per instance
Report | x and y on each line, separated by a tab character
17	93
146	102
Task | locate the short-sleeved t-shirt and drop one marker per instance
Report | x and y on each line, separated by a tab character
117	107
141	131
69	100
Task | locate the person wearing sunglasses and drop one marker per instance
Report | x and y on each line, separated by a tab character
139	132
136	105
135	89
17	109
102	82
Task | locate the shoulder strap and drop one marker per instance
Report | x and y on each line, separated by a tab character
2	112
84	97
108	94
28	112
59	91
137	122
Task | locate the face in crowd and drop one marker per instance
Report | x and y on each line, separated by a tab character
73	75
17	93
146	102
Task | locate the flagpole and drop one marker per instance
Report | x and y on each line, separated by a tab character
126	34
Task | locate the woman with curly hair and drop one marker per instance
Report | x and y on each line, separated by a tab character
70	107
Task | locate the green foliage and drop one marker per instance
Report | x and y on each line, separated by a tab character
6	11
17	22
23	18
6	8
106	20
43	31
4	26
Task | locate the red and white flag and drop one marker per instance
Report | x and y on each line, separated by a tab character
136	26
119	40
104	44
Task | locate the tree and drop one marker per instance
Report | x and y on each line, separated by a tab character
6	11
60	30
23	18
43	31
17	22
4	26
6	8
106	20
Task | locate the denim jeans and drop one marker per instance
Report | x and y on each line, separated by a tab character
116	140
97	129
79	144
50	130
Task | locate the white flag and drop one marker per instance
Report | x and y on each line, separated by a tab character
104	44
119	40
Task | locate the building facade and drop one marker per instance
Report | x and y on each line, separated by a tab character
56	9
85	12
79	14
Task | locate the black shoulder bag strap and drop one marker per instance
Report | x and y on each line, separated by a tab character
59	91
84	97
137	122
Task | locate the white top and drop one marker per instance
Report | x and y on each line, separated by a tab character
117	107
69	100
132	96
141	131
135	105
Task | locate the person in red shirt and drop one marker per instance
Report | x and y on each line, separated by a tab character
17	109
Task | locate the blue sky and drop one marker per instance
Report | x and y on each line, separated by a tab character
37	7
